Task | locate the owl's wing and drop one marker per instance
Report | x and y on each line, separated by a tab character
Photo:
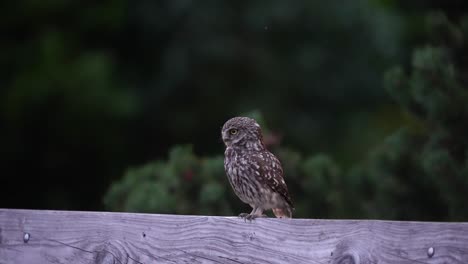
271	174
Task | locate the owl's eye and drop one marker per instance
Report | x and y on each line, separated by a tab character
233	131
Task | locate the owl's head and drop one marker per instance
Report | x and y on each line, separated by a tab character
242	131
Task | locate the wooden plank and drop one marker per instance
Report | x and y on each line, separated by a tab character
101	237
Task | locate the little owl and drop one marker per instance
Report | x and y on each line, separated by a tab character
255	173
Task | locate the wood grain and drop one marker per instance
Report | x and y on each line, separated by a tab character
102	237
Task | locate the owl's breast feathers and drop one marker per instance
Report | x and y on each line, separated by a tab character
233	171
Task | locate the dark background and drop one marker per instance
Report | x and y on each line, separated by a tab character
90	90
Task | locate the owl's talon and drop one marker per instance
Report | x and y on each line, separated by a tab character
247	216
251	217
243	215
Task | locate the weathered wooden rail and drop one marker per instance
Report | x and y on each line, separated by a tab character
35	236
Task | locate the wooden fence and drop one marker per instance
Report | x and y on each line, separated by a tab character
36	236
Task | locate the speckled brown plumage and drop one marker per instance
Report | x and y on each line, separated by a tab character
255	174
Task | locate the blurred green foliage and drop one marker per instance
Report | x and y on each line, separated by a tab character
418	172
183	184
88	90
422	172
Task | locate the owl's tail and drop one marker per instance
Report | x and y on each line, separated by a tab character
282	212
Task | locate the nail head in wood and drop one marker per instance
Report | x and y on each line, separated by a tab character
430	252
26	237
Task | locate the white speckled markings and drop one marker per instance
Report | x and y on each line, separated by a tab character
36	236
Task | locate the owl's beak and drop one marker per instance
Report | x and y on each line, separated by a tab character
226	139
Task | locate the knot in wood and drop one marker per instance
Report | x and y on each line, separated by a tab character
112	251
104	257
353	251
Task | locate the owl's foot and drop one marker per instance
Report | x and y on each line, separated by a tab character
250	217
243	215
